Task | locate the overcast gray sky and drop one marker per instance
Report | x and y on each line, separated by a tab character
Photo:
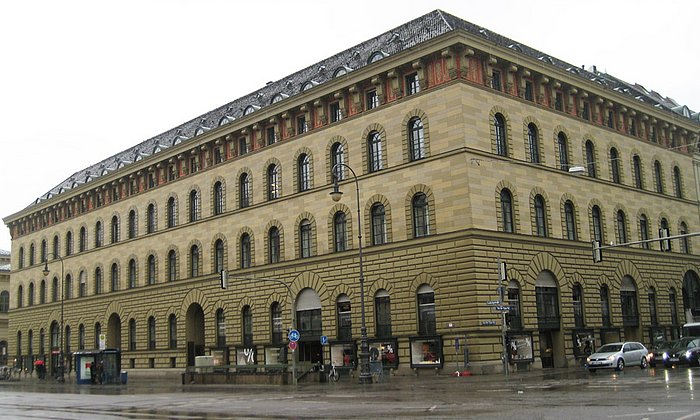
83	80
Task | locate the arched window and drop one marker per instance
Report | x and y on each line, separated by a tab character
651	297
151	274
426	310
172	332
172	216
421	215
20	296
337	158
614	166
628	302
303	172
43	251
98	281
98	234
218	255
132	224
151	333
547	300
132	334
81	337
382	311
132	273
245	251
31	294
540	216
114	235
68	287
247	315
672	305
244	190
82	243
684	242
20	258
664	227
658	178
42	292
55	249
194	206
637	171
378	224
563	149
590	159
114	278
273	182
218	198
416	139
220	328
32	255
507	210
514	317
69	243
577	299
344	315
597	224
194	261
305	238
533	143
644	230
374	151
82	284
570	220
621	227
677	190
172	265
55	292
273	244
276	323
151	219
499	126
340	239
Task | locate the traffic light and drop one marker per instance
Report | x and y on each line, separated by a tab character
664	243
224	279
597	252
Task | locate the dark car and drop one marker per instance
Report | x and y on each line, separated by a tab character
677	354
656	353
692	354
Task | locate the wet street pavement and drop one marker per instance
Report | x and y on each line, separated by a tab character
553	394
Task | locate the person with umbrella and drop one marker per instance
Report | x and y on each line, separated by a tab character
40	369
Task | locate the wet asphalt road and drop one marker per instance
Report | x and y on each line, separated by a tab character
558	394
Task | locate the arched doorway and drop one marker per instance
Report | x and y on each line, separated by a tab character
691	296
194	332
308	310
114	332
55	346
630	309
548	320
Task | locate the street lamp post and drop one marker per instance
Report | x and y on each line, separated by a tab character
60	376
336	194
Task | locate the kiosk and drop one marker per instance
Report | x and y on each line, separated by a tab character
98	366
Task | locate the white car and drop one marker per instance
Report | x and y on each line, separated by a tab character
618	355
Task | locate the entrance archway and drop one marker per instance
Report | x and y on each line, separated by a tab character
630	309
194	332
548	320
691	296
114	332
308	310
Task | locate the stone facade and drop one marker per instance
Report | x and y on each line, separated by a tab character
436	262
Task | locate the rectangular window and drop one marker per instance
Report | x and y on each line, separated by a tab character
496	80
559	101
529	93
271	138
334	109
586	113
412	84
242	146
372	99
301	124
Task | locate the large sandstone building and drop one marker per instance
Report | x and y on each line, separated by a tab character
471	151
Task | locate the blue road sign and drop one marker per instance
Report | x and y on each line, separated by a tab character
293	335
324	340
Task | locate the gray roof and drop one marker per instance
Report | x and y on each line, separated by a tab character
417	31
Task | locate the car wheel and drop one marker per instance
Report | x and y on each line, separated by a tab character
620	365
644	363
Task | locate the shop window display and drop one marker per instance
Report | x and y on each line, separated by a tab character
426	352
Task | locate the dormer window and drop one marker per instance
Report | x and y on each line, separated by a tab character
376	56
249	110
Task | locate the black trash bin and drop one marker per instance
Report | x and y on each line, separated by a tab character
124	376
